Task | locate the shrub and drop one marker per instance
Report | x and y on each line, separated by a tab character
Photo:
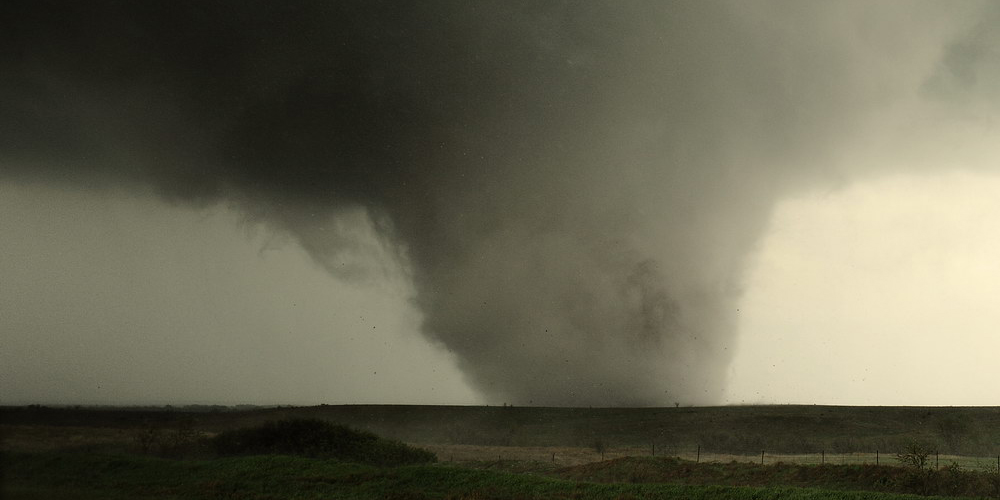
318	439
599	446
914	455
182	440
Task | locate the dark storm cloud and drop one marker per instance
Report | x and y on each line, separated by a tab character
573	186
970	68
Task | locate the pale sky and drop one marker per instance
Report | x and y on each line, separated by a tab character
118	298
882	293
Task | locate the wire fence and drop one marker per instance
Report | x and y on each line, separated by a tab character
582	455
934	460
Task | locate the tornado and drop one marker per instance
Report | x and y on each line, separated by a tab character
572	189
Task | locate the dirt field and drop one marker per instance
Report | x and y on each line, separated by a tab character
47	438
559	455
566	456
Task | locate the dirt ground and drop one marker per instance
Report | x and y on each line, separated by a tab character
566	456
45	438
556	454
577	456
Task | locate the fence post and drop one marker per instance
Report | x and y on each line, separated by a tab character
823	457
876	457
553	458
937	460
697	457
653	449
762	457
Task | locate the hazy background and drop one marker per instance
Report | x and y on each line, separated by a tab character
882	293
227	314
527	202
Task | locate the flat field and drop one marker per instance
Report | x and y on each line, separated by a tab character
729	430
512	452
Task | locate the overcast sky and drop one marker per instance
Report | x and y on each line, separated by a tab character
524	202
881	293
121	298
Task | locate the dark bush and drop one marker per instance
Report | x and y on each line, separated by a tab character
914	455
318	439
183	440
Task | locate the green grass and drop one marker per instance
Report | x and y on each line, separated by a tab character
948	481
85	476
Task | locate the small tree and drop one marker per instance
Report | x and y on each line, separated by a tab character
147	438
914	455
599	446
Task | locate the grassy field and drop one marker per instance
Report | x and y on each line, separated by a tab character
85	476
504	452
739	430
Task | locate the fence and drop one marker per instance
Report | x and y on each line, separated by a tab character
935	461
582	455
